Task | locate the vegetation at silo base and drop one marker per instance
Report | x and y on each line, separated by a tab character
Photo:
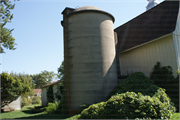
137	82
145	100
52	107
55	107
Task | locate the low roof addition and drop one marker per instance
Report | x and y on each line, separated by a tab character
37	90
154	23
51	83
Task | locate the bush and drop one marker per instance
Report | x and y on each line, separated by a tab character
52	107
163	77
50	94
25	101
36	100
145	100
130	105
137	82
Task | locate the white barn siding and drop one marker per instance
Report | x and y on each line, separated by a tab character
54	92
176	39
143	58
44	97
16	105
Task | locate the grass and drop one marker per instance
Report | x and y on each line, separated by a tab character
175	116
30	112
34	112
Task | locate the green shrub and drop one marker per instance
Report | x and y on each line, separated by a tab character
145	100
52	107
36	100
163	77
130	105
137	82
25	101
50	94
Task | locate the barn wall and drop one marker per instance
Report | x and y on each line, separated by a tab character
176	39
44	97
56	90
142	59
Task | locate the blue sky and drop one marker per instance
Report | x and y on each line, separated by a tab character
39	34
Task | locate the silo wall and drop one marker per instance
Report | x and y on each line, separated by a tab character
92	70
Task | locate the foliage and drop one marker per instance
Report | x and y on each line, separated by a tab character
137	82
61	76
50	94
52	107
36	100
145	101
61	70
161	74
163	77
6	41
25	101
58	94
43	78
26	81
11	89
62	87
130	105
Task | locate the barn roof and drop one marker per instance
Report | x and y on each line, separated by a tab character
154	23
51	83
37	90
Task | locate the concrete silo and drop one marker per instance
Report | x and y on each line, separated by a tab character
89	56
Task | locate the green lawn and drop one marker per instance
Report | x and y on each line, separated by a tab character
28	112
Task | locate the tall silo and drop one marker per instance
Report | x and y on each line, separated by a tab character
89	55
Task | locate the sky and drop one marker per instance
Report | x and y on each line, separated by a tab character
39	34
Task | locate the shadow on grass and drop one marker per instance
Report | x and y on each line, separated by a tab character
37	113
46	116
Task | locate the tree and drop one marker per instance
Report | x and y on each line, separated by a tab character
43	78
6	41
11	88
61	76
61	70
26	81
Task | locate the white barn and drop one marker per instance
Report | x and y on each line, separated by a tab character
15	105
150	37
56	89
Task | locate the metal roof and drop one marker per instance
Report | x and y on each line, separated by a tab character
154	23
87	8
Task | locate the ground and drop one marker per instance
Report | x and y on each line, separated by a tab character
34	112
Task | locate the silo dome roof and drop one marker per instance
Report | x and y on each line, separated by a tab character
87	8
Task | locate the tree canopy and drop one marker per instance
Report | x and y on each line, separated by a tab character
61	70
7	40
43	78
11	88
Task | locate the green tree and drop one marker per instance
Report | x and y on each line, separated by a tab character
43	78
61	76
11	89
26	81
61	70
6	41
